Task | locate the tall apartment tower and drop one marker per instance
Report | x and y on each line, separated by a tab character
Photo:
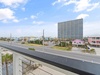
72	29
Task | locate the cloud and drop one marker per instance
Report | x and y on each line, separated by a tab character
15	20
13	3
23	9
82	16
6	14
79	5
70	2
38	22
58	1
85	5
95	5
33	16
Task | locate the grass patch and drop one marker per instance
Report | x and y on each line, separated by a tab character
31	49
62	48
28	44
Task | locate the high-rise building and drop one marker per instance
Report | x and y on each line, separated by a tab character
70	29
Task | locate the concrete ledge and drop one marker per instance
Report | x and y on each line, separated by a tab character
73	65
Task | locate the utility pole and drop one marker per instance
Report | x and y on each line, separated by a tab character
43	39
10	38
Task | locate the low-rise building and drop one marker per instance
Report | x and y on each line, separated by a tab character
94	41
78	42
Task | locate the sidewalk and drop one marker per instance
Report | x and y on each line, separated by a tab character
97	50
47	71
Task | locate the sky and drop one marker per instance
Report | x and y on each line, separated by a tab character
31	17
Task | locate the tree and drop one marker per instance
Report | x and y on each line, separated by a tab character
62	44
7	58
70	43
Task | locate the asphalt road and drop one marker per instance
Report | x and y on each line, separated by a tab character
73	55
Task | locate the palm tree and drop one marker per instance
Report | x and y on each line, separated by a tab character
7	58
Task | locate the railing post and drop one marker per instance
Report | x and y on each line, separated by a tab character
0	61
17	64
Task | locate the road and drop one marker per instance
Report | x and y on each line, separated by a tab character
73	55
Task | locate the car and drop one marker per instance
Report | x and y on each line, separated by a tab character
88	48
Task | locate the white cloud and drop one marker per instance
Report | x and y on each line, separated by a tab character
33	16
13	3
70	2
85	5
80	5
38	22
82	16
58	1
23	9
95	5
15	20
6	14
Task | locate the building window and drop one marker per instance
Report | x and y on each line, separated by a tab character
93	37
97	38
93	41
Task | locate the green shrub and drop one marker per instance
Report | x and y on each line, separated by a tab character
36	42
92	51
56	45
23	43
31	49
31	42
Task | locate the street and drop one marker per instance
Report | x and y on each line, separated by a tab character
48	50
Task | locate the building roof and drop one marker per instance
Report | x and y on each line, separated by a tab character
77	40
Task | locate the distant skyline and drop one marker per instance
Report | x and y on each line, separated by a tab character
30	17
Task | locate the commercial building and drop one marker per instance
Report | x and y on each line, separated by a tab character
70	29
94	41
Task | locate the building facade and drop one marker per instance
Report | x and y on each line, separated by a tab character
94	41
70	29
